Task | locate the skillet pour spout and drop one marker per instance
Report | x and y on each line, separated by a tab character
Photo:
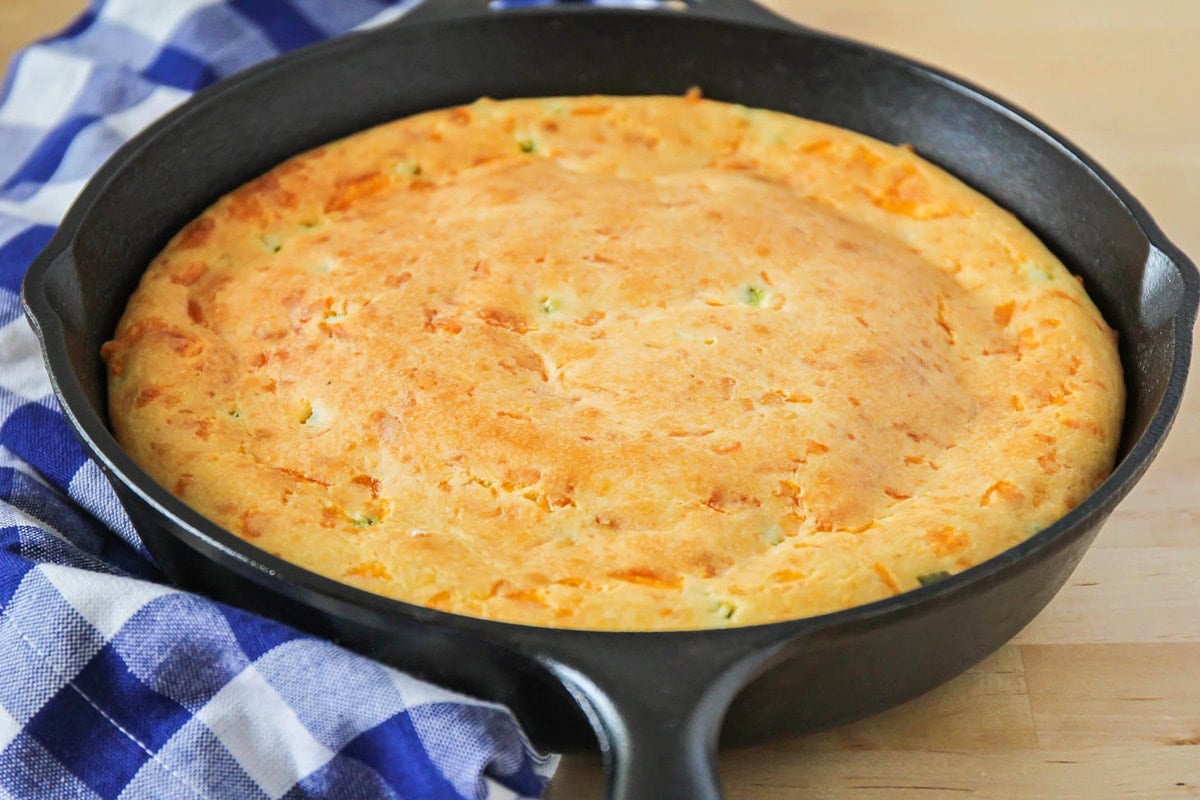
656	702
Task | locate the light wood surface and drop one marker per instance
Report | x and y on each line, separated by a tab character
23	21
1100	696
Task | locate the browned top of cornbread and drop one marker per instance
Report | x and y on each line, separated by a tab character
621	363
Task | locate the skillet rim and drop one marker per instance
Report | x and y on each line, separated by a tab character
305	586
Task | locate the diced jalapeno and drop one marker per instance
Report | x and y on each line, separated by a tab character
754	295
933	577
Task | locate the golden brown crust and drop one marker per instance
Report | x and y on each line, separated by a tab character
626	363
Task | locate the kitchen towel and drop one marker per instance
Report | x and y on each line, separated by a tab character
113	684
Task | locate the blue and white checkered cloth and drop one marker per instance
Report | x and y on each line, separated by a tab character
111	683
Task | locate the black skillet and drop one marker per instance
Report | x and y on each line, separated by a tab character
655	701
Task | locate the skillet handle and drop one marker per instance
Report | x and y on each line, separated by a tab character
743	11
658	718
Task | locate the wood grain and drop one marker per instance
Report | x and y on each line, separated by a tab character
1100	696
24	21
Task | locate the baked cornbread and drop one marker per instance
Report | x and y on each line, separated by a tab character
617	363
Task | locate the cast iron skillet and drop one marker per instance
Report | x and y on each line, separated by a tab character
656	701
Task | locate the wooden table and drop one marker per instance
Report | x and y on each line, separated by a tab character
1100	696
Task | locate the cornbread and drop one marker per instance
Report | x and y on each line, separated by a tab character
617	363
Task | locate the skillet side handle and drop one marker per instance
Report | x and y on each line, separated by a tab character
743	11
658	720
1170	288
747	11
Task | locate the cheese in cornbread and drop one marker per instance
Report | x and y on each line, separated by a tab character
617	363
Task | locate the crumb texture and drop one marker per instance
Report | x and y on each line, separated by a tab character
617	363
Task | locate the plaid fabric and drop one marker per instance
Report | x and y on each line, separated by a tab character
112	684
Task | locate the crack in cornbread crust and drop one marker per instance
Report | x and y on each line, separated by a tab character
624	363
